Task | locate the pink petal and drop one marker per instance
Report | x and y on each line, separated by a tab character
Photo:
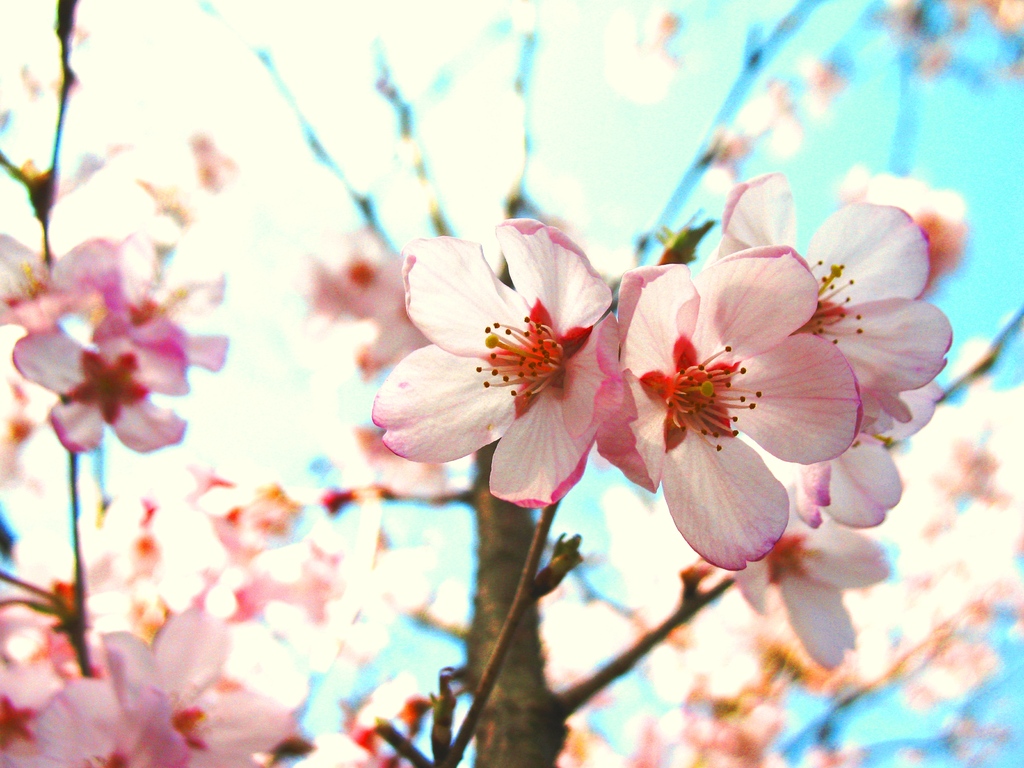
903	344
879	247
537	461
758	212
239	724
921	404
593	385
144	427
191	650
752	301
158	347
812	491
21	269
633	444
435	408
452	294
657	306
79	427
845	559
727	504
51	359
207	352
809	409
753	584
548	267
865	485
132	670
819	618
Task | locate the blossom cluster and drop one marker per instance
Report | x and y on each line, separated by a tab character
818	359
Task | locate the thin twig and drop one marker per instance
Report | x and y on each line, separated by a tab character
365	204
755	60
403	111
579	694
38	591
402	745
990	358
77	626
524	597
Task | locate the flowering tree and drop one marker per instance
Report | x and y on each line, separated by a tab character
645	506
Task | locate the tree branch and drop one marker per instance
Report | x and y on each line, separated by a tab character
77	625
579	694
524	597
402	745
990	358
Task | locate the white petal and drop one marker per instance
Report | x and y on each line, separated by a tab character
538	460
132	670
633	444
435	408
79	427
865	485
753	300
902	345
190	652
819	618
758	212
753	584
879	247
657	307
51	359
809	409
548	267
593	386
144	427
844	558
727	504
452	294
239	724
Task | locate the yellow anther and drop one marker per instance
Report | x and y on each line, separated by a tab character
707	389
491	341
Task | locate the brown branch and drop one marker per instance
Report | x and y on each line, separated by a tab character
77	624
402	745
403	111
524	597
990	358
38	591
579	694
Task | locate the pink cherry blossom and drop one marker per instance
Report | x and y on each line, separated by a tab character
811	568
707	358
110	383
535	368
858	488
871	263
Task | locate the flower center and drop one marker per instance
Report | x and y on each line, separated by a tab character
108	385
528	359
187	723
831	305
703	398
14	723
786	557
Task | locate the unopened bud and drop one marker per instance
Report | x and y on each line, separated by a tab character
444	713
565	557
681	246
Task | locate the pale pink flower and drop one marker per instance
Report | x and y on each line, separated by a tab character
536	368
110	383
858	488
871	264
24	691
811	568
707	358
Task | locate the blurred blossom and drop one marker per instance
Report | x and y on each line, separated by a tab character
824	81
641	68
941	213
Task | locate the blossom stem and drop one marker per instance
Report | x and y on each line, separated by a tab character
579	694
77	625
524	597
990	358
755	59
38	591
402	745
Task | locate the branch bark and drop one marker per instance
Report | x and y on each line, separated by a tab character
521	726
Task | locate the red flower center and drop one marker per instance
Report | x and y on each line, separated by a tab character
108	385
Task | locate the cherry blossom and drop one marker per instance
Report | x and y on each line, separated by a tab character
871	264
708	357
110	383
536	368
811	568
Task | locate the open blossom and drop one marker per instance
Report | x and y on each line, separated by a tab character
110	384
871	264
707	358
536	368
811	568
